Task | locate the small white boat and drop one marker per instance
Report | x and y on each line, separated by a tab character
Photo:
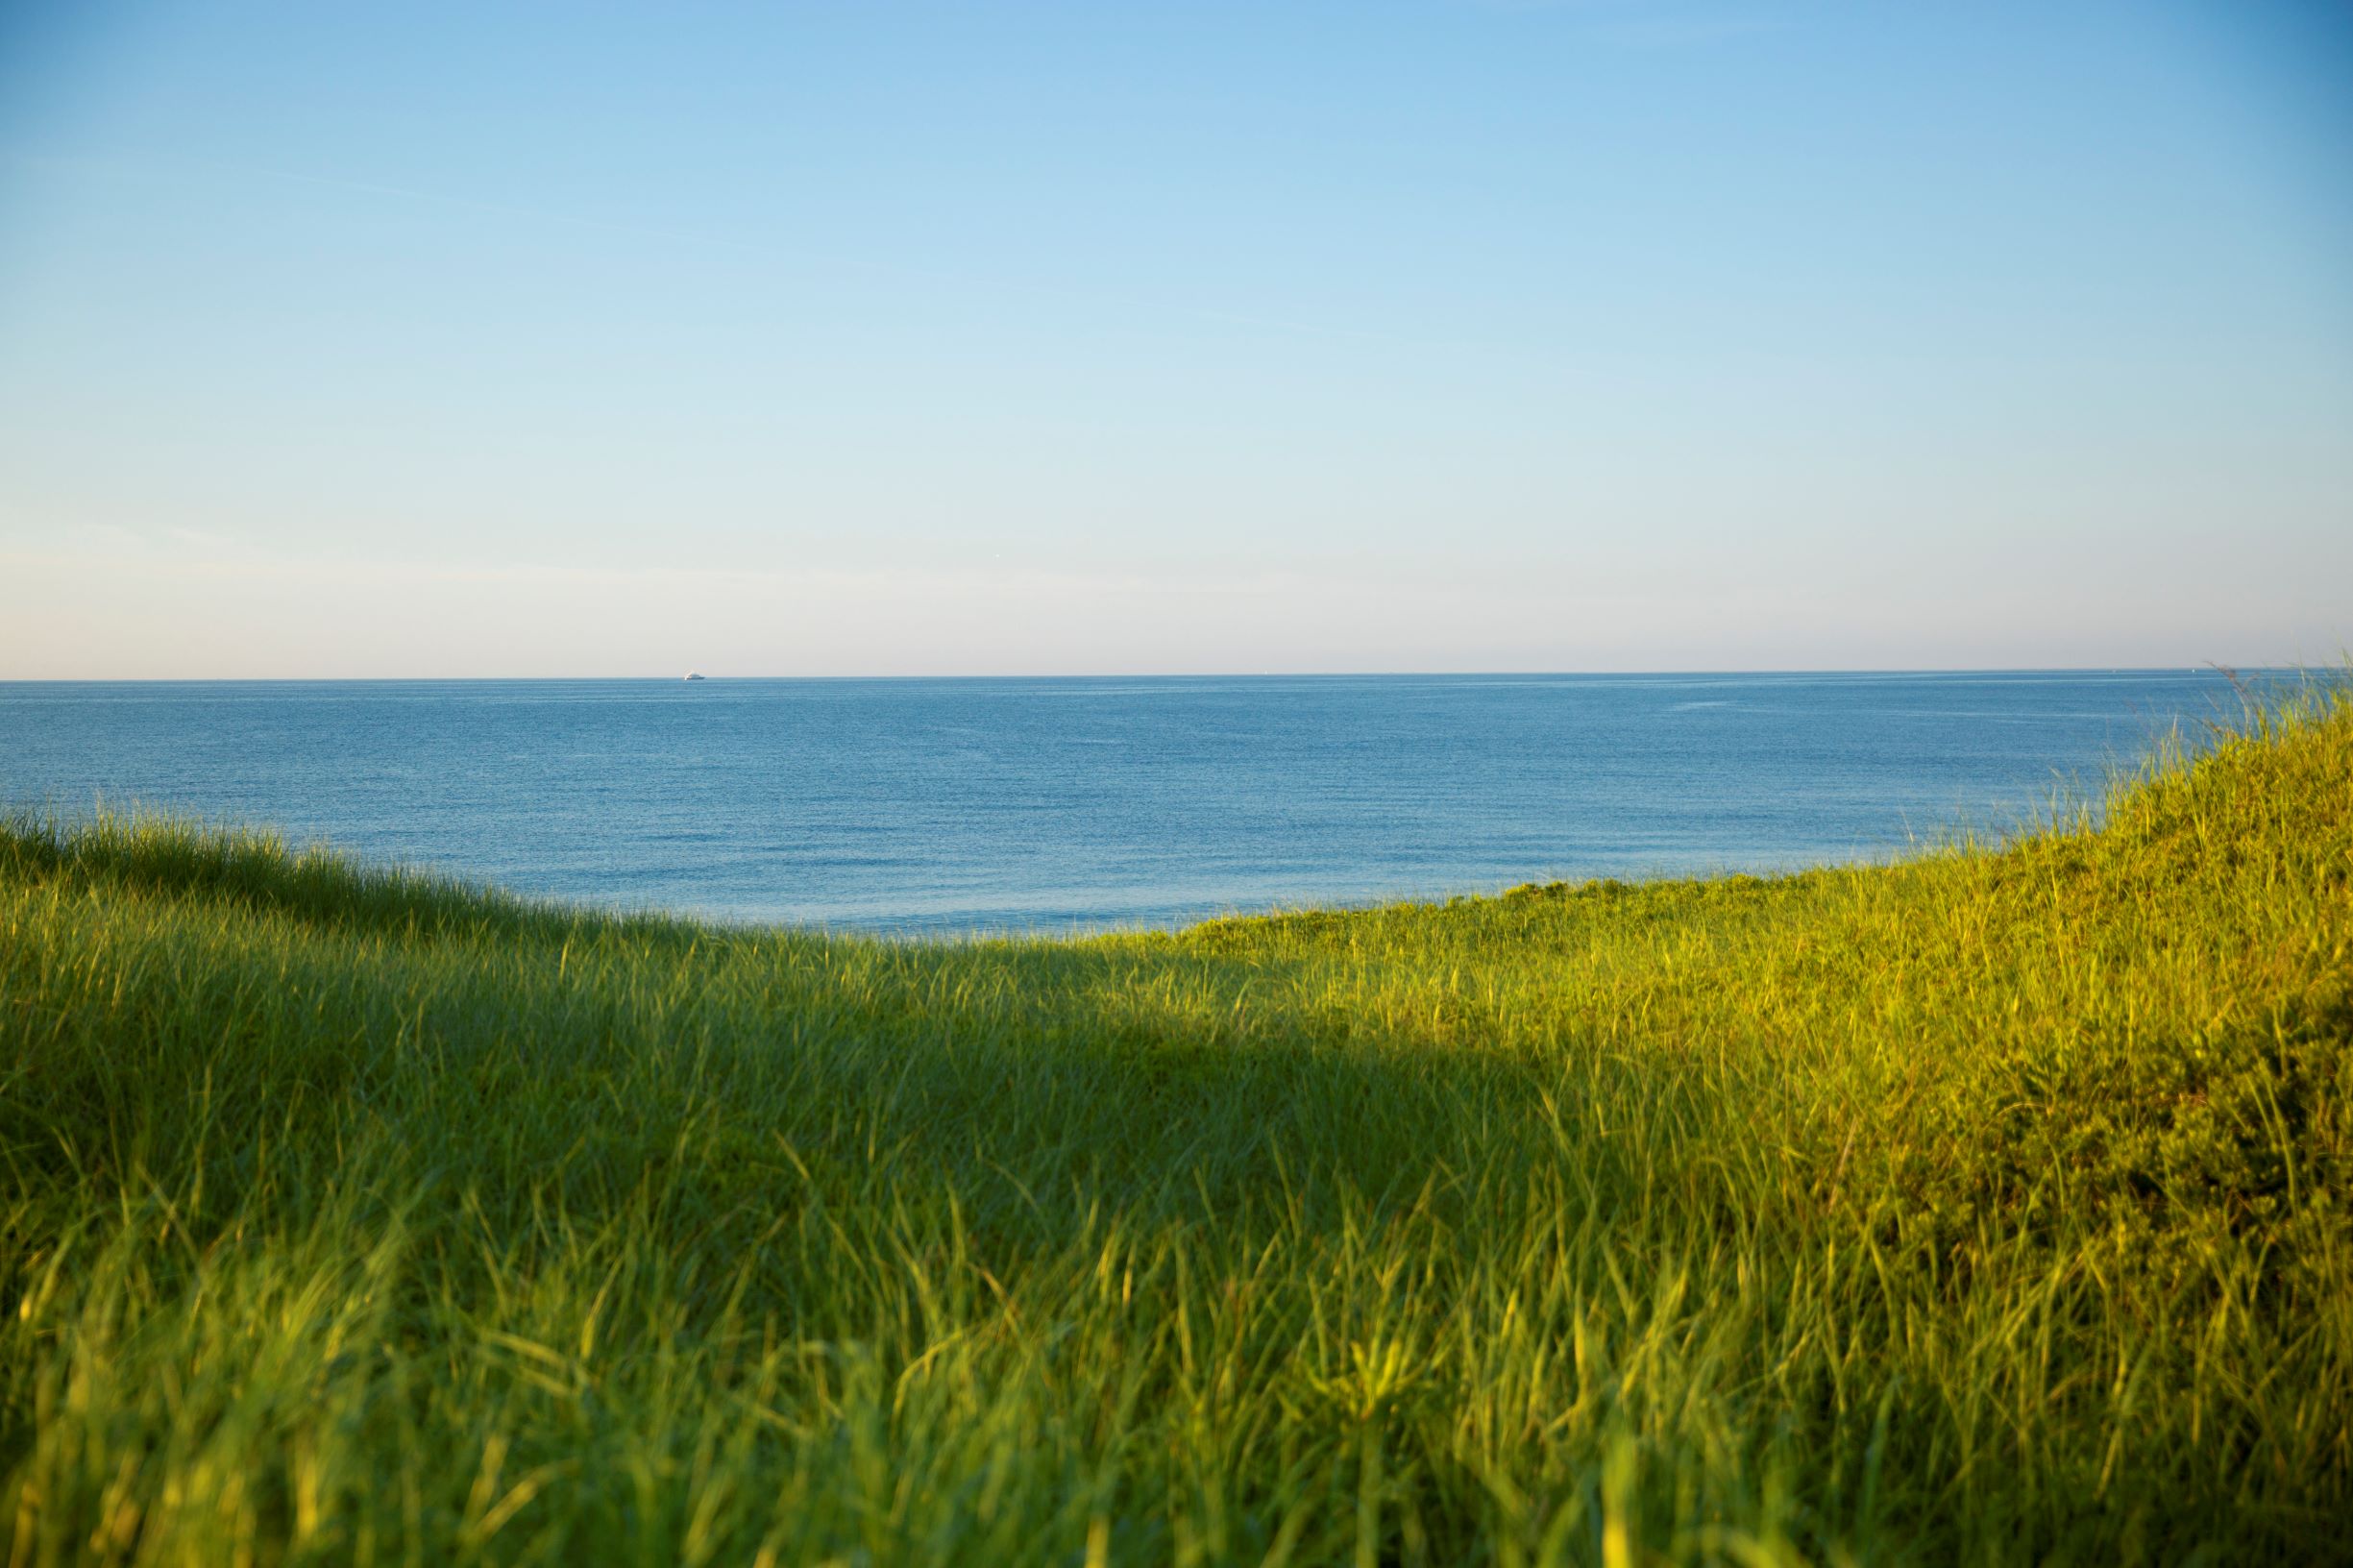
693	674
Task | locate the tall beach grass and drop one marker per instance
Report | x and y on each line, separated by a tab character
1988	1207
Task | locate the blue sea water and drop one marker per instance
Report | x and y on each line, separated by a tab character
918	806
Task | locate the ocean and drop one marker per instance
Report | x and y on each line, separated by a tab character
1063	805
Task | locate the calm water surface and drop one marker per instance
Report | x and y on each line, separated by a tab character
963	804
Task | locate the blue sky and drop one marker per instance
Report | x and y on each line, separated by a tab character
582	339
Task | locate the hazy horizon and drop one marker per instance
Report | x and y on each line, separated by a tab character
1794	673
1607	336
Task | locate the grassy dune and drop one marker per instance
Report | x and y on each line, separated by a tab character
1990	1206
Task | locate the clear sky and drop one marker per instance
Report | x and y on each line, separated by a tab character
485	339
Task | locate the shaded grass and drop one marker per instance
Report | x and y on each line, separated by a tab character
1987	1207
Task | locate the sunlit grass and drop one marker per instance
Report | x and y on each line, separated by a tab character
1989	1207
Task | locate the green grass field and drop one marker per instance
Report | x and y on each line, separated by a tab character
1986	1207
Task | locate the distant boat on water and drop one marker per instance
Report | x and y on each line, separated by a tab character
693	674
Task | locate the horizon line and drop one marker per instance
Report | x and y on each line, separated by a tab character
2214	667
